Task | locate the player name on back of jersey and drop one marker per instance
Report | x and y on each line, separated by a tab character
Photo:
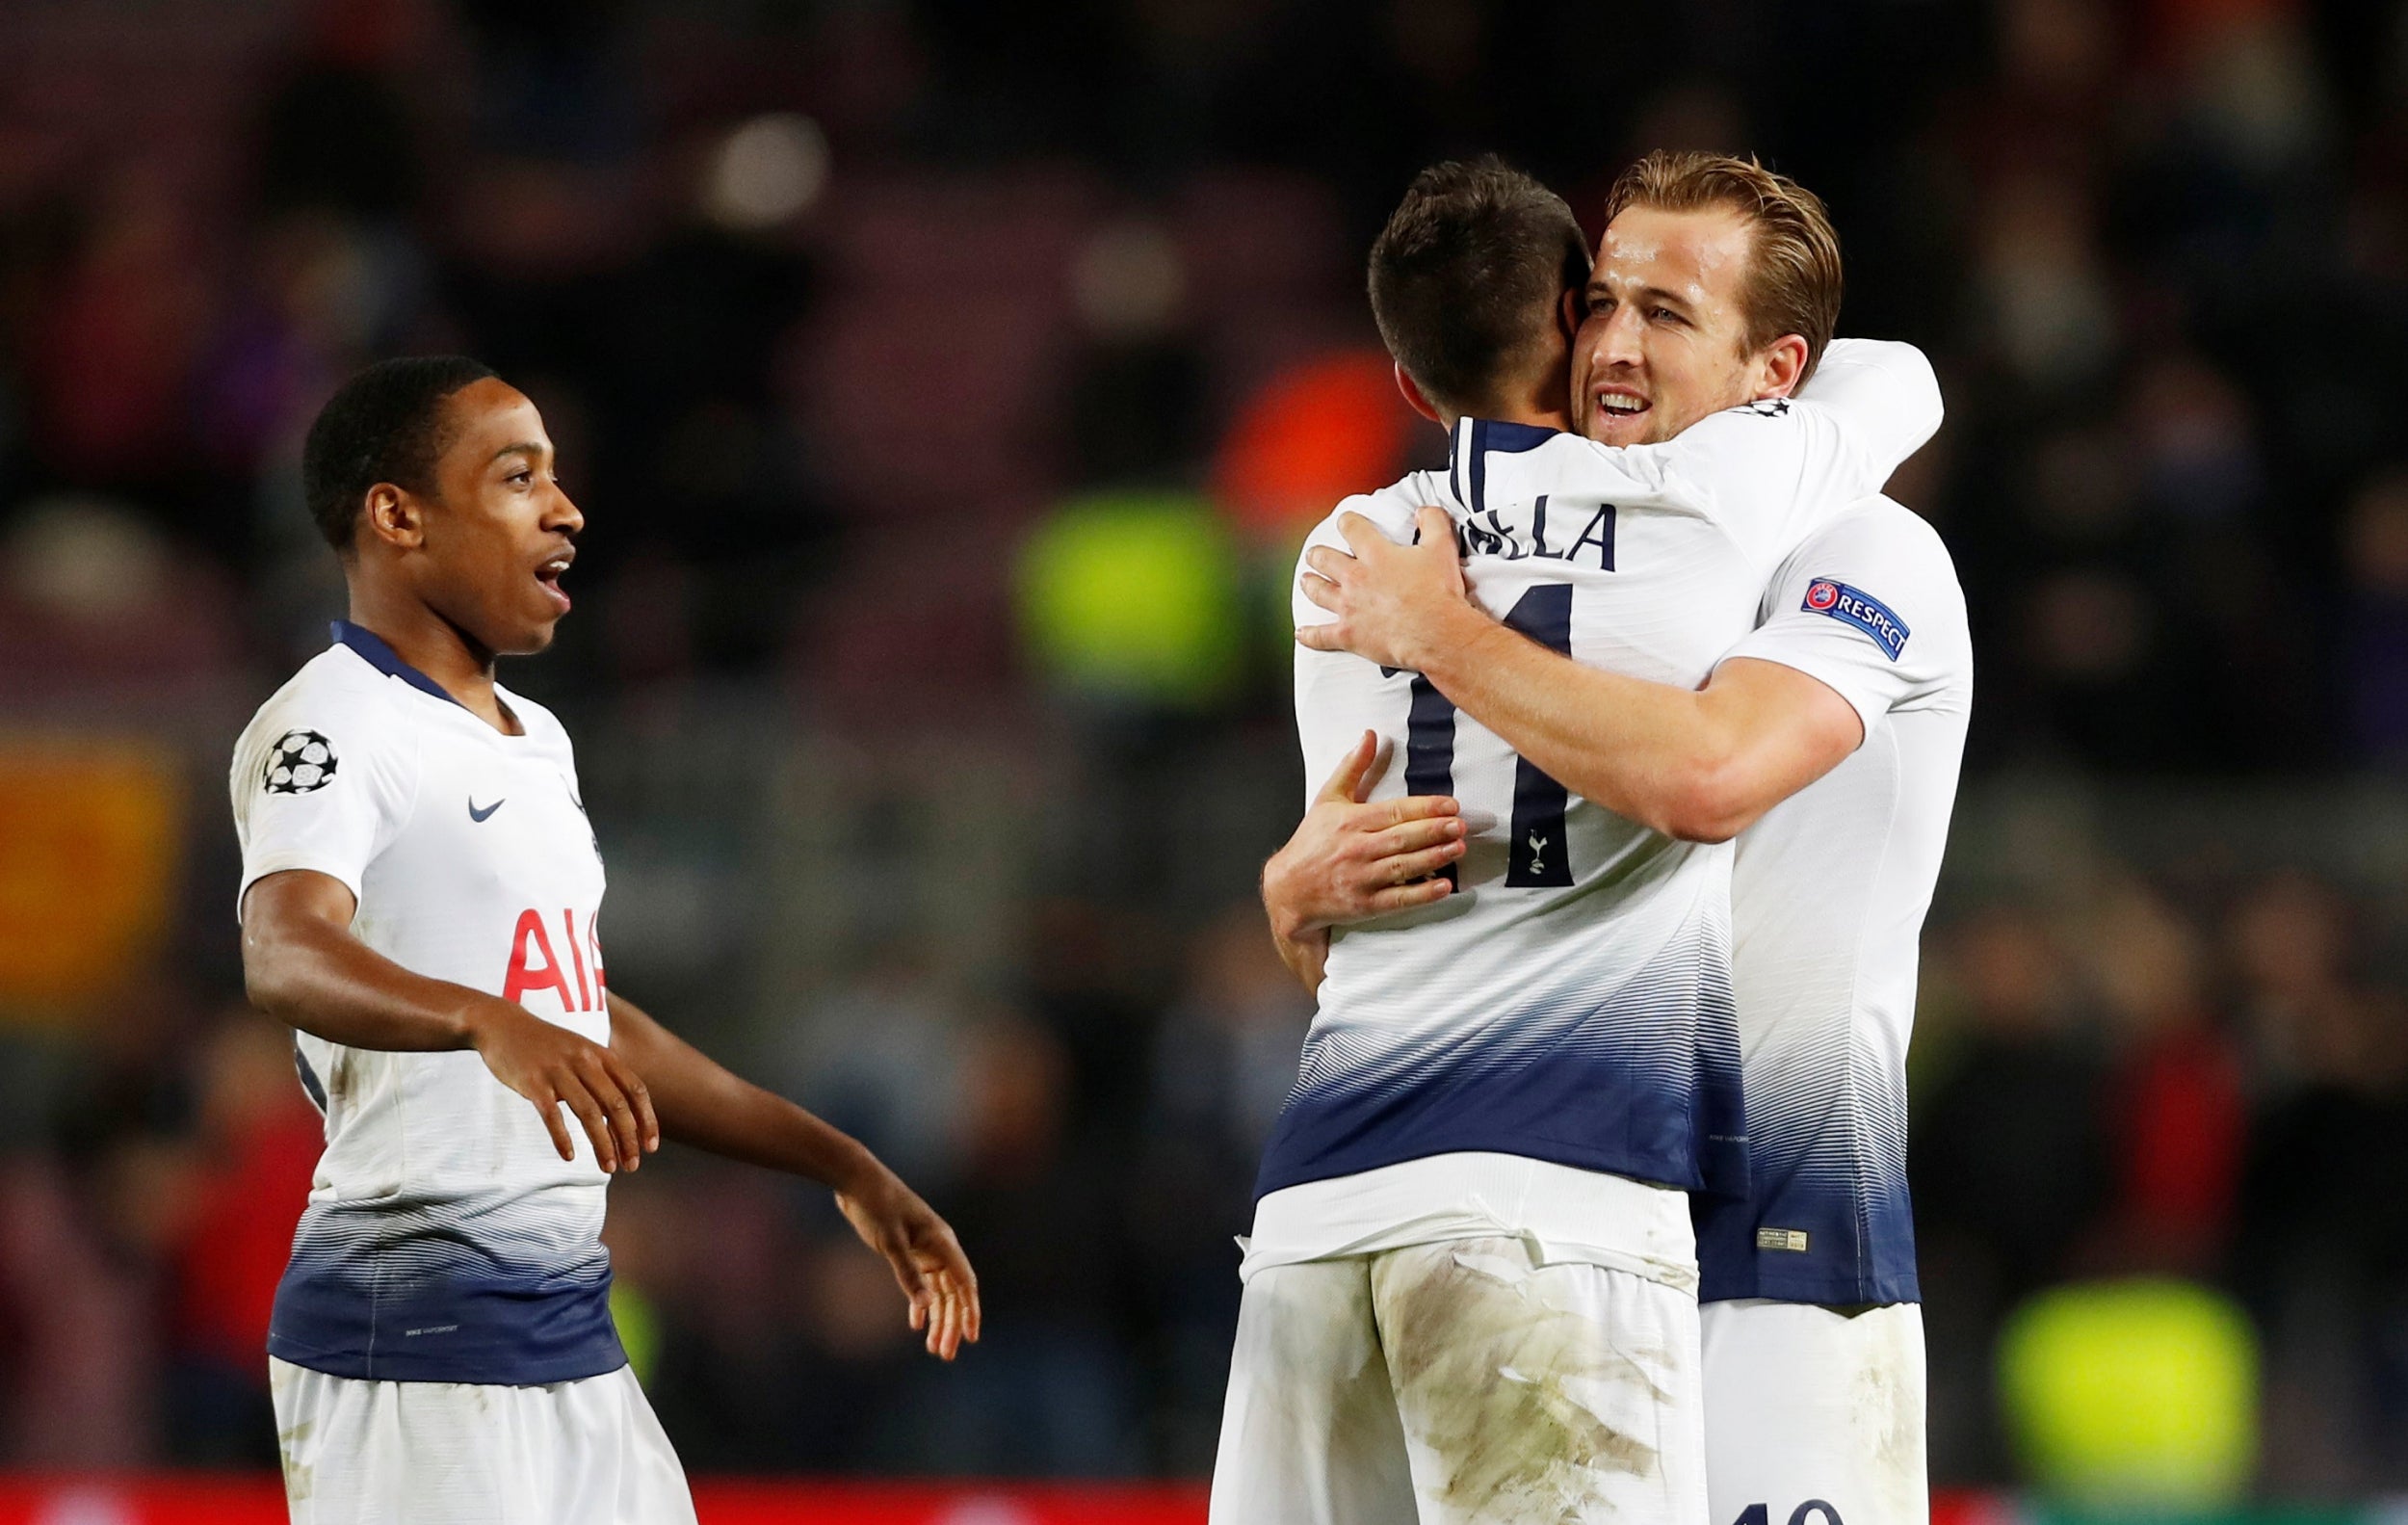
1575	533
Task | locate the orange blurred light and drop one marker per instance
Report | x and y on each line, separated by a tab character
89	838
1312	435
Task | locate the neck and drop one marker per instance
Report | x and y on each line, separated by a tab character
433	644
1555	418
1541	401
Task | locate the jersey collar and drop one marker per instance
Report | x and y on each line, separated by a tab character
1467	463
372	650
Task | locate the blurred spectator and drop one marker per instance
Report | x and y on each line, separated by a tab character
2050	312
1048	1389
1136	409
256	1152
80	1364
96	604
1223	1063
110	363
2175	1099
732	1261
2324	1243
881	1057
2289	939
2009	1147
2375	554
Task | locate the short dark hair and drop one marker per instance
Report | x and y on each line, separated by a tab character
1466	276
385	424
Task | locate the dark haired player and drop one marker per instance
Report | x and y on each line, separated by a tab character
1861	663
1470	1292
419	899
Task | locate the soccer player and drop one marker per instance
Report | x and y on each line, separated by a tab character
419	901
1470	1291
1828	740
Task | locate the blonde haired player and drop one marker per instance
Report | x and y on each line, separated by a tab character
1471	1289
1828	741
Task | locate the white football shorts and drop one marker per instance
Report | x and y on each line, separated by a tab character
1815	1416
373	1453
1461	1381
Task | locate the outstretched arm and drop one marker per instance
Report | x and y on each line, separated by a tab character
1695	764
706	1105
302	966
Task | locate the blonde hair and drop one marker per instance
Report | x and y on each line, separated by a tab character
1793	281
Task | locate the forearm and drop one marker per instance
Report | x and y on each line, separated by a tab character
326	983
1666	758
704	1104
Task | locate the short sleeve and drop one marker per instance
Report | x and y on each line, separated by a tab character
1869	605
322	780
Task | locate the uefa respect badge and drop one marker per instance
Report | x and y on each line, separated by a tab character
1828	595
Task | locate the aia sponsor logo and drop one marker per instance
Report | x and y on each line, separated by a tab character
571	968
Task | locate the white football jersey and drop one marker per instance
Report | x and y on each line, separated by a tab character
1572	1002
1828	892
445	1239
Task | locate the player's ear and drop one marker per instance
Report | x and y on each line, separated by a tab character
1414	395
1780	365
393	516
1570	309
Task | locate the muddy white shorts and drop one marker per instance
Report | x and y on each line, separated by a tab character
370	1453
1815	1416
1461	1381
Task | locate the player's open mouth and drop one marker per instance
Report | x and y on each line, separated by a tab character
1621	404
549	575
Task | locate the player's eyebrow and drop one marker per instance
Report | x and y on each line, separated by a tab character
1647	296
524	447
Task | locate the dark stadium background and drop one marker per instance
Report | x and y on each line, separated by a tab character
947	385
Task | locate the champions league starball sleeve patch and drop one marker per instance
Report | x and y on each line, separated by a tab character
1827	595
299	762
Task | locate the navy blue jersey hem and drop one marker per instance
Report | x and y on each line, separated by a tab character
486	1328
1799	1244
1575	1107
574	1367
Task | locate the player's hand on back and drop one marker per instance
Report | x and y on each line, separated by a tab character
1392	604
554	1068
1349	861
921	1250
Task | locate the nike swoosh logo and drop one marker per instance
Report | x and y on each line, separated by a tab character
480	816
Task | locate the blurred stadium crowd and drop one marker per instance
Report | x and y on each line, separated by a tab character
946	387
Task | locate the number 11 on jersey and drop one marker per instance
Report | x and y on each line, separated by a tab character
1535	854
